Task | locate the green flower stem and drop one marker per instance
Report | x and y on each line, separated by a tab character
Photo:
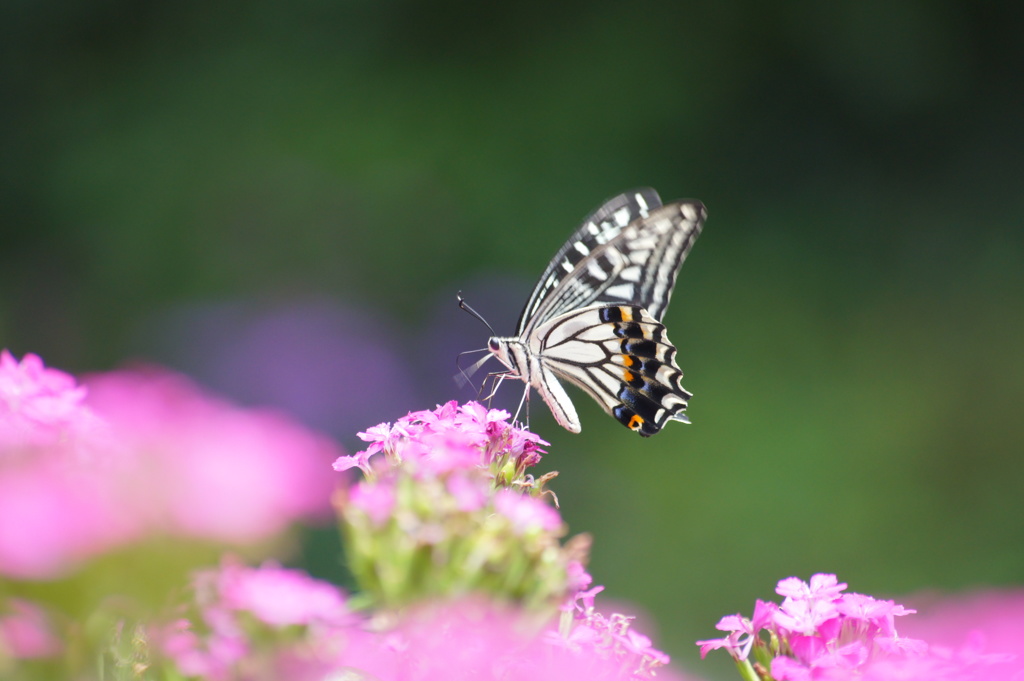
747	671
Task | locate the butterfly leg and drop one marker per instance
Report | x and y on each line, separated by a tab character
497	377
483	388
525	399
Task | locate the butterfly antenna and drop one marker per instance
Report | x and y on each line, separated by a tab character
465	306
497	376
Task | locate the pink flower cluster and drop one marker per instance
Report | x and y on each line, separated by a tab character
304	630
609	638
450	437
40	408
991	620
819	633
241	609
473	641
469	447
135	453
446	508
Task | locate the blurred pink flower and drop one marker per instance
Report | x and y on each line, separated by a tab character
478	641
270	623
222	643
470	640
52	516
204	468
25	631
526	513
40	407
55	454
212	657
376	501
579	579
278	596
468	492
145	452
822	634
982	623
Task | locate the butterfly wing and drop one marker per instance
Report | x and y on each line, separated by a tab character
635	265
620	356
600	227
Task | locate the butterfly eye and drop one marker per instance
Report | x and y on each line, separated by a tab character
493	345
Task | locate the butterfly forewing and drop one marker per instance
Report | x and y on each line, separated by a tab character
673	229
637	266
601	226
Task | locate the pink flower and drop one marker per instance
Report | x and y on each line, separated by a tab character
55	460
743	632
787	669
822	634
807	606
376	501
468	492
214	657
280	597
53	516
579	578
145	452
451	508
39	407
465	640
223	641
473	641
451	437
821	587
868	615
379	438
612	640
25	631
739	641
985	628
203	468
526	513
583	601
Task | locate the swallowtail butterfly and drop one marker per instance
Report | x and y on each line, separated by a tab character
594	318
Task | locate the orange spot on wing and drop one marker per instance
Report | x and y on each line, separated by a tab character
635	422
627	375
627	360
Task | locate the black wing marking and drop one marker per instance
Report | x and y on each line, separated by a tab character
600	227
638	266
621	357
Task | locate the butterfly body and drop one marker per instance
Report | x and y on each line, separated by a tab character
594	318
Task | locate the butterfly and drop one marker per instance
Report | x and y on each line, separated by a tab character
594	317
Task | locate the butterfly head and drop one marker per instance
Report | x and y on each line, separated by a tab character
503	350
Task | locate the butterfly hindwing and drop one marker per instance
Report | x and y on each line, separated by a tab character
620	356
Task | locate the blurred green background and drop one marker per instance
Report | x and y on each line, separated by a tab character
173	175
